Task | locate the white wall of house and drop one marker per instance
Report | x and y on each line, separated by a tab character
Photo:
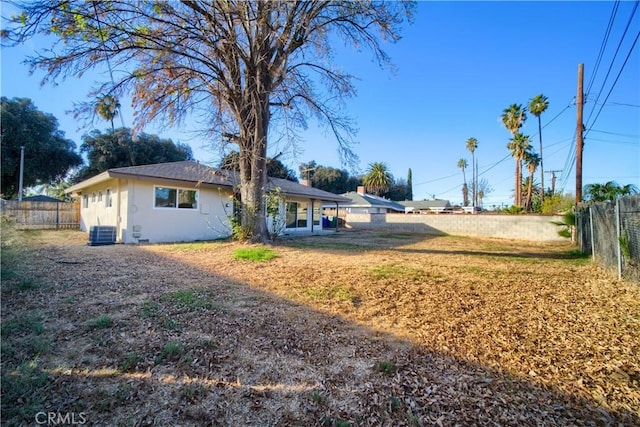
94	206
133	211
149	223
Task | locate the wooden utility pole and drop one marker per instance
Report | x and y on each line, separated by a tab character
579	130
553	180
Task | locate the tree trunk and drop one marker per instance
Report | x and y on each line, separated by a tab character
529	191
253	157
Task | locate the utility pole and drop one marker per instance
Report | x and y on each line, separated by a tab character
553	180
21	173
579	131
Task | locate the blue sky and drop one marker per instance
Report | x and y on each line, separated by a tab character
457	68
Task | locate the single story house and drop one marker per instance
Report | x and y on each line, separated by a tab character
361	202
184	201
427	206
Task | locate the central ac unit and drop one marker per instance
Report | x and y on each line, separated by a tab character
102	235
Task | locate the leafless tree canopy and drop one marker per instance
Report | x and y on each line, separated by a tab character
235	65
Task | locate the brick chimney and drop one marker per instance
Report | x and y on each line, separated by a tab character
306	182
361	190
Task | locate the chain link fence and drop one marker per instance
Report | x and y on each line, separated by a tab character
611	233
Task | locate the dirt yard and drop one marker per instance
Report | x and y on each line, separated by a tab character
349	329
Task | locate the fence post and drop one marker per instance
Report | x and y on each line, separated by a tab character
57	215
593	239
619	252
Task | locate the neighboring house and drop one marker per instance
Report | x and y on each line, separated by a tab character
427	206
41	198
184	201
361	202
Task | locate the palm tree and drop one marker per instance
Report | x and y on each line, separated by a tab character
472	144
107	107
513	118
532	160
537	106
462	164
519	145
608	191
377	178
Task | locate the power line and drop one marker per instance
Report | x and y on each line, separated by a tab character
603	45
617	77
633	12
614	133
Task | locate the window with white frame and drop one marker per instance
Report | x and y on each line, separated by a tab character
85	201
99	196
93	197
175	198
107	198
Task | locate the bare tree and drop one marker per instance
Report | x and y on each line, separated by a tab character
239	66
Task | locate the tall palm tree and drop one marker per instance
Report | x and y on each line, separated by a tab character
537	106
513	118
107	107
532	161
377	178
519	145
462	164
472	144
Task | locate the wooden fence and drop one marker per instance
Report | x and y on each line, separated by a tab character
42	215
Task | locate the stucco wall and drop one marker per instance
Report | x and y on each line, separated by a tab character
97	212
522	227
155	225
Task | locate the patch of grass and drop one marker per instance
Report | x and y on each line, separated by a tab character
171	324
22	324
130	362
26	284
191	300
100	322
190	247
257	254
577	257
149	309
192	393
385	366
108	398
171	351
335	292
396	271
22	392
318	397
395	403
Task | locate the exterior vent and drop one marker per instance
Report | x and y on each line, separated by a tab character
102	235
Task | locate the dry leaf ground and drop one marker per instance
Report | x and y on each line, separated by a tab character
353	328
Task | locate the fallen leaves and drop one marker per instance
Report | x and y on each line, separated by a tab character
472	332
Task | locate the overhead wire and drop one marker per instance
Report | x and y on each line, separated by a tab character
604	82
603	44
616	80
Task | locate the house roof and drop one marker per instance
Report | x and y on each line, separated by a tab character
357	200
40	198
426	204
195	173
